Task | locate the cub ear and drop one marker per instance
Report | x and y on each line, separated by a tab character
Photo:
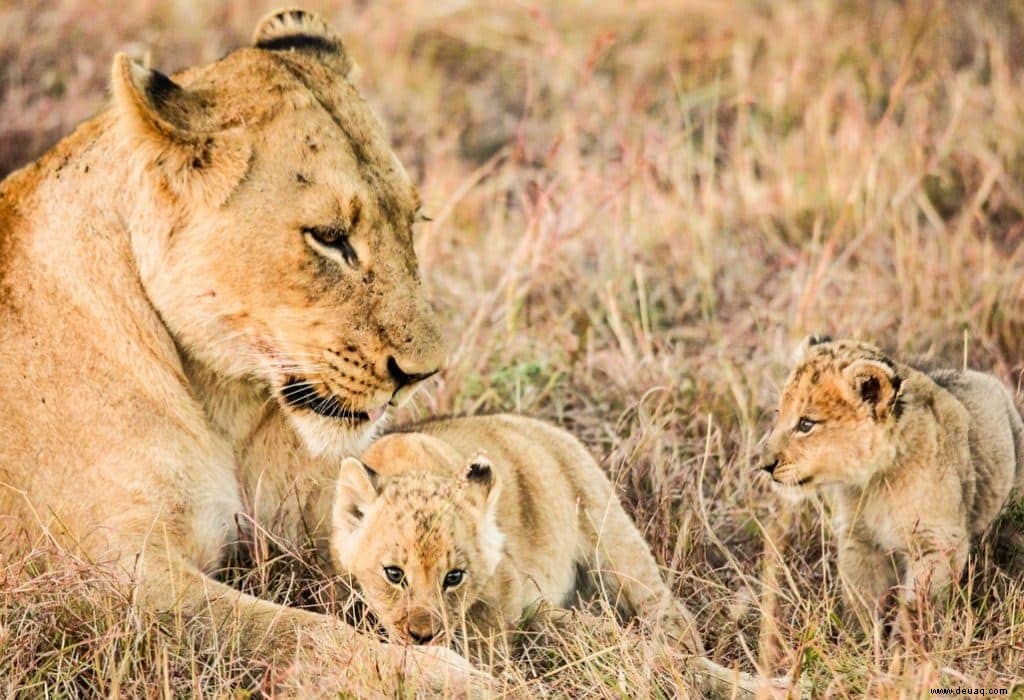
306	33
356	489
169	128
875	383
481	478
807	343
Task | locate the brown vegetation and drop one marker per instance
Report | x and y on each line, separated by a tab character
638	210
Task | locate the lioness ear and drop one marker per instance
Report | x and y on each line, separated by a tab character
875	383
168	127
305	33
355	490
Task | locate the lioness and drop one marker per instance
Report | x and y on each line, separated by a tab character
919	464
219	261
468	524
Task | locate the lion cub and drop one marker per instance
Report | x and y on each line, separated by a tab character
477	520
919	464
471	523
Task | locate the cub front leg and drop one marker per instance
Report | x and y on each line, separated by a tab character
934	562
868	575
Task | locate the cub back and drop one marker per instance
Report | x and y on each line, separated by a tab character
996	437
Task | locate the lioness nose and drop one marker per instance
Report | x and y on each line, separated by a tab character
770	467
402	378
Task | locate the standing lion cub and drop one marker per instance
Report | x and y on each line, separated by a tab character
472	522
919	464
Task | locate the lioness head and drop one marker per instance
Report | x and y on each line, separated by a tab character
273	231
835	417
419	537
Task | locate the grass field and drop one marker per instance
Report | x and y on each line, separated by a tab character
638	212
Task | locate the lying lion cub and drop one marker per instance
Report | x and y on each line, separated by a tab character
475	521
919	464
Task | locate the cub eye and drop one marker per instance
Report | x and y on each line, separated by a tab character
453	578
330	241
394	575
805	424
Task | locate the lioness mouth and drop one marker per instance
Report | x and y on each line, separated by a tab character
300	393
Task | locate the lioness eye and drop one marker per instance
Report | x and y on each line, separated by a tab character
805	424
453	578
332	238
394	575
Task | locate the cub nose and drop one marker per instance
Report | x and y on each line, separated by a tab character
770	467
420	627
421	637
403	378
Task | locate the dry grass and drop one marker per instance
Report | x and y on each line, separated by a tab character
638	212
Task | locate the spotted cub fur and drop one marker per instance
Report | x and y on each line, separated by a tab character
470	523
475	520
919	464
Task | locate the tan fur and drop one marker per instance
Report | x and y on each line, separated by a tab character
918	464
160	290
517	505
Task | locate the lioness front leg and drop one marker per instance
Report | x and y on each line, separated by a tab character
325	654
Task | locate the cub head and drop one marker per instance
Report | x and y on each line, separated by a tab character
421	542
836	417
272	227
